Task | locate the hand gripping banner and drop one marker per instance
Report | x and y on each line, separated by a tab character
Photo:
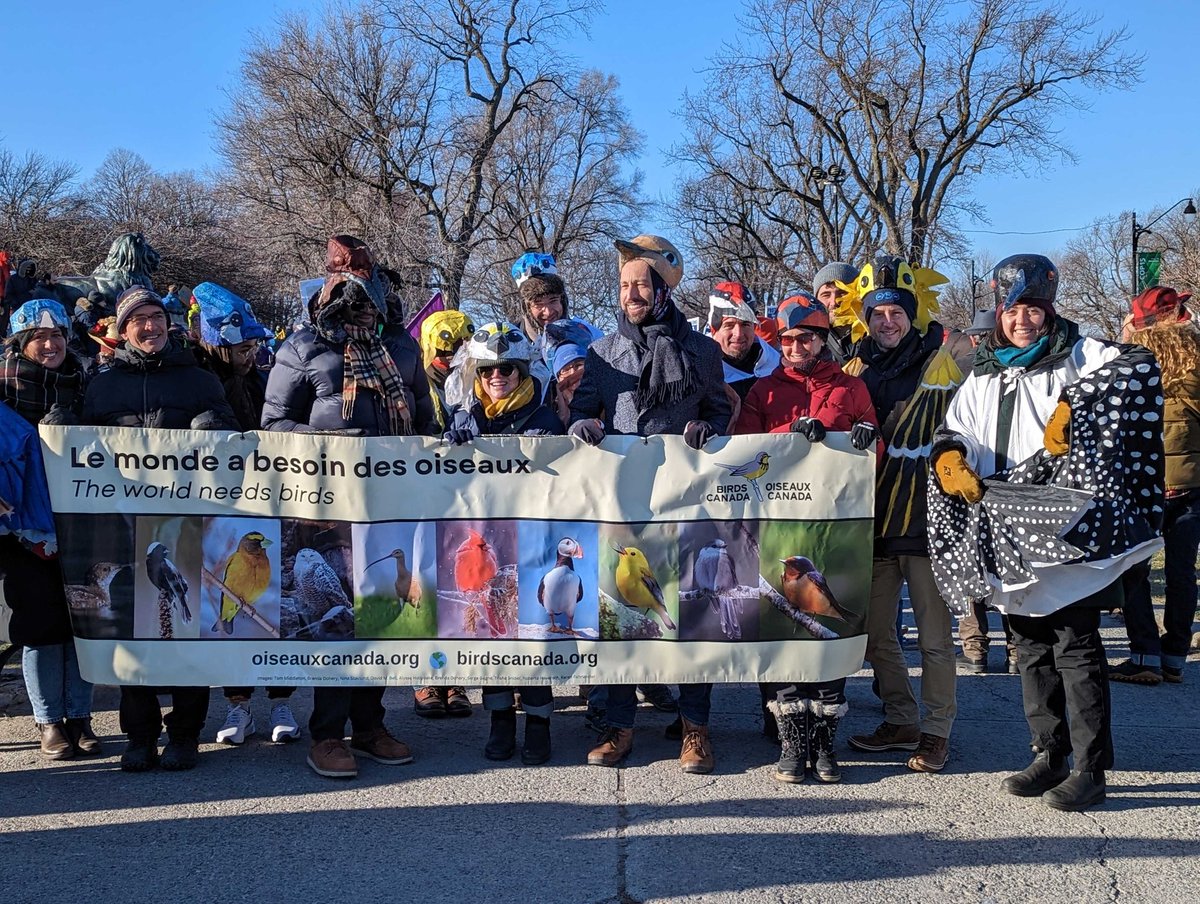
197	558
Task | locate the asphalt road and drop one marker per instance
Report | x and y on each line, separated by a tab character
254	824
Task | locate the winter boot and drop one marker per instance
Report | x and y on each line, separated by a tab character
1080	791
696	755
770	729
141	755
1045	772
792	719
537	741
502	742
180	754
55	744
823	719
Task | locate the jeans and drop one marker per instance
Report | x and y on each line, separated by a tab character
934	639
142	719
1181	531
56	689
695	701
333	706
536	699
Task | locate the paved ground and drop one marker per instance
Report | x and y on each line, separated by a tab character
254	824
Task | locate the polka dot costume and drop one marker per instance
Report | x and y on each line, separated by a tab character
1104	497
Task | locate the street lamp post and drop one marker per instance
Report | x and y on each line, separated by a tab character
1138	231
823	178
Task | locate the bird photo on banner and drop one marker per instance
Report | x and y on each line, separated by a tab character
718	580
100	557
395	579
558	584
639	581
167	577
243	554
477	579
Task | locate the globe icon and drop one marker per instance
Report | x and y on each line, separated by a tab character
438	660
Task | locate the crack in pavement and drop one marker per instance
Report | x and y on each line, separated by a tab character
1102	859
623	895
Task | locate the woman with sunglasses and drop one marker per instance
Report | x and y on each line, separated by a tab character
808	394
506	401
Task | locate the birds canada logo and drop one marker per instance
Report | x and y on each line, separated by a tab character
806	590
248	574
560	588
638	585
752	471
475	566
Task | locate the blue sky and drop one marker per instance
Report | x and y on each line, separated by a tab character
158	95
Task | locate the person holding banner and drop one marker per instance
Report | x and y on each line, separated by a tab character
808	394
654	375
156	382
42	381
506	402
339	376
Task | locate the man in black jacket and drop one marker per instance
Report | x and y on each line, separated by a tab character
156	382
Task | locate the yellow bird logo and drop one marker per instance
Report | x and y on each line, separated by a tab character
638	585
751	470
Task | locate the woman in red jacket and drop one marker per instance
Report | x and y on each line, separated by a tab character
808	394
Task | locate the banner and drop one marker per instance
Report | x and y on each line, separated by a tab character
285	559
1149	264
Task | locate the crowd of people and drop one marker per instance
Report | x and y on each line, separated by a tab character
941	410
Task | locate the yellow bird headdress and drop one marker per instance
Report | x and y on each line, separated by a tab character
892	272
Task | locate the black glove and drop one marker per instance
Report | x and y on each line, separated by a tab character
590	430
458	436
697	433
810	428
342	431
862	435
60	416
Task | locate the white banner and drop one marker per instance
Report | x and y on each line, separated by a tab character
265	558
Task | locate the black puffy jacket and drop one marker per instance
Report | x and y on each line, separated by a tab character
532	419
304	389
166	390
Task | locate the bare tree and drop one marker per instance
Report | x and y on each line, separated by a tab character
911	98
35	194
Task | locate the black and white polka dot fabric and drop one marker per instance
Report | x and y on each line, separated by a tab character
1094	504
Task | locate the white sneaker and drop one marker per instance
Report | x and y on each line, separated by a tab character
239	724
284	726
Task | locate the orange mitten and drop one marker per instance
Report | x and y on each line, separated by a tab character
956	476
1058	429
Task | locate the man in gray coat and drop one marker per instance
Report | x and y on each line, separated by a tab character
654	375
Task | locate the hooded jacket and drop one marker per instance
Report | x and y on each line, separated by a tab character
166	390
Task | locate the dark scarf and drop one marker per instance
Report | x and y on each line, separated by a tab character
888	363
31	390
667	373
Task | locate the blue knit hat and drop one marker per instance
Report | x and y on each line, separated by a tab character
225	319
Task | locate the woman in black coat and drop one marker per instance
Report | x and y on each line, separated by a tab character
41	379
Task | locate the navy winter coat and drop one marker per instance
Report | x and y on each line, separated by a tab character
532	419
166	390
304	389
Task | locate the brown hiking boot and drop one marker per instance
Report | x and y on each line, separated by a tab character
614	746
332	759
696	756
457	701
888	737
430	702
931	754
381	747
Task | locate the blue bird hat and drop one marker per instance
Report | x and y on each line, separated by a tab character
225	319
39	314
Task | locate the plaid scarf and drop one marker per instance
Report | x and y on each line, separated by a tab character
31	390
368	364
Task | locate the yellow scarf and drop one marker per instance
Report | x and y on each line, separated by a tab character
518	398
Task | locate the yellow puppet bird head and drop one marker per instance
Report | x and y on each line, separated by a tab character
891	272
442	332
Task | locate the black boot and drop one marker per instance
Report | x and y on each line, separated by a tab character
537	741
792	721
1045	772
823	724
770	729
1079	791
181	754
502	742
141	755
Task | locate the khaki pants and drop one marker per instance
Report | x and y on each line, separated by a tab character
933	637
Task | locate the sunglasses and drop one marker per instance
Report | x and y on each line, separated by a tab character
359	305
506	370
802	338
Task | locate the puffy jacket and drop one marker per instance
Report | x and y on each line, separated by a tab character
166	390
609	389
836	399
304	389
533	419
1181	434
